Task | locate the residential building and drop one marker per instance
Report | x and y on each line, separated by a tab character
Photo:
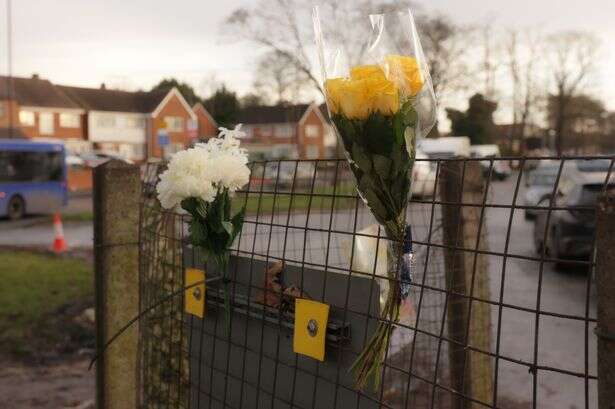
35	108
206	124
135	125
172	117
287	131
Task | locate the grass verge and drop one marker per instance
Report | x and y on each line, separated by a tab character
280	202
41	296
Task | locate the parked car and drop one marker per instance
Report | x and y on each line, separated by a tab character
570	232
74	160
539	182
95	158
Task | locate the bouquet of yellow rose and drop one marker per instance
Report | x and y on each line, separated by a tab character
378	109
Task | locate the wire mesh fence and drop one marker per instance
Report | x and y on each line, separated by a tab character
503	307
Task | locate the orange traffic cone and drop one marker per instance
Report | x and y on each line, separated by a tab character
59	244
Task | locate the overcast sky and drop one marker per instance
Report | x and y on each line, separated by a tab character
134	43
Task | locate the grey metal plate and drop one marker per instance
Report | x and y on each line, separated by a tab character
257	367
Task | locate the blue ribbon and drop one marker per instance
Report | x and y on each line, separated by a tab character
405	277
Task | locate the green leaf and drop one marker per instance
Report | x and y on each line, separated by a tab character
382	166
410	137
237	224
227	205
189	205
410	115
201	208
345	130
228	227
369	191
360	158
378	136
198	232
398	128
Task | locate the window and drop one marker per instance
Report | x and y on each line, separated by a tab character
174	123
265	130
26	118
137	123
69	120
31	166
284	131
2	109
312	152
311	131
105	121
45	123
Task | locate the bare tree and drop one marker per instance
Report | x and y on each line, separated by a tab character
572	56
491	62
522	52
285	28
445	44
277	80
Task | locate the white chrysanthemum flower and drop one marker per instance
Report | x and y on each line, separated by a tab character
201	171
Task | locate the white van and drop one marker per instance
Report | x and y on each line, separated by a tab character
423	176
445	147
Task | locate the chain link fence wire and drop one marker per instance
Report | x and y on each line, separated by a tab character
502	311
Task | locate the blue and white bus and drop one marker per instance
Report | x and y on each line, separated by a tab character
32	177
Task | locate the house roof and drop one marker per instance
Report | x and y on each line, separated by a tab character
199	107
101	99
272	114
35	92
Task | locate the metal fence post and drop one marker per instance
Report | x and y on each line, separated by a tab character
116	257
468	321
605	288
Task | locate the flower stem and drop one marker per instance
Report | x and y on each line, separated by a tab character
222	260
370	361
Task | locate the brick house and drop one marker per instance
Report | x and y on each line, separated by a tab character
35	108
131	123
206	124
174	117
287	131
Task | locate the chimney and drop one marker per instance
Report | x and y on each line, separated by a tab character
103	86
35	76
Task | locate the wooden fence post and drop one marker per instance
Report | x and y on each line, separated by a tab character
605	288
116	257
466	275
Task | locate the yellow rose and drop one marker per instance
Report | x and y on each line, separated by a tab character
366	71
333	92
383	94
405	72
354	99
357	98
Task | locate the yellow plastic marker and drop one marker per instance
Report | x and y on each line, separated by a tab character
311	319
195	296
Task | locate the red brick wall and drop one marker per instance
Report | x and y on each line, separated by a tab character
206	127
13	108
79	178
265	134
173	107
318	141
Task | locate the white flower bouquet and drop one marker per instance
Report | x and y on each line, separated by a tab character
202	180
